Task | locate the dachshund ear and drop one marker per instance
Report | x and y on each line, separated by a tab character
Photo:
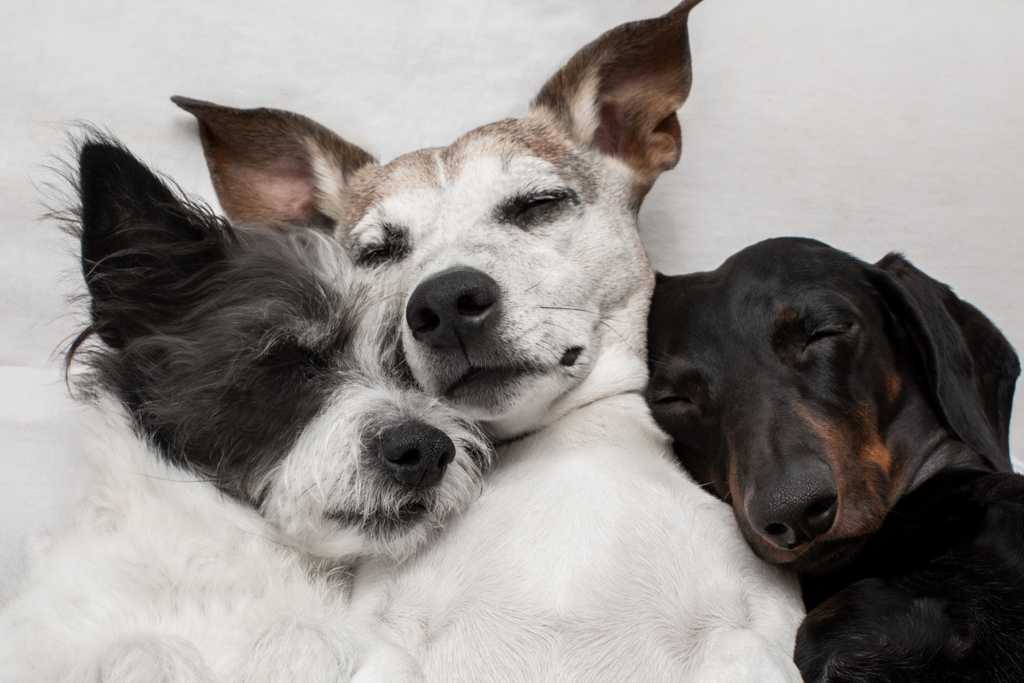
971	367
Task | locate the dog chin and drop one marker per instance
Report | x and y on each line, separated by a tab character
827	556
393	533
818	558
509	402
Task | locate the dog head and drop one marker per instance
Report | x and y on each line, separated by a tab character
515	249
812	390
258	360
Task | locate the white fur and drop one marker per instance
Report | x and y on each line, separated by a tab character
161	578
591	557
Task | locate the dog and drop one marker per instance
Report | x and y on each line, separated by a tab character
514	251
250	439
935	595
814	392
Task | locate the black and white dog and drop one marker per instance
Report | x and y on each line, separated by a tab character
250	435
515	254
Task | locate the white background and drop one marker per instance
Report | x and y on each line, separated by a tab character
871	124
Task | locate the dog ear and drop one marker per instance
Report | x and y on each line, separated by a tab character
270	165
143	248
971	367
620	93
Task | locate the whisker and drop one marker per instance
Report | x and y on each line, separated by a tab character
568	308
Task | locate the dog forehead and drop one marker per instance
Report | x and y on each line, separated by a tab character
515	148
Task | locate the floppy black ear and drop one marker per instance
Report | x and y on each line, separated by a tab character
144	250
971	367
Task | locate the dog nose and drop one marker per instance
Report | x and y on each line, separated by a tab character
796	512
416	454
457	304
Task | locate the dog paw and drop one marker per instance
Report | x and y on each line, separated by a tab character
146	660
874	632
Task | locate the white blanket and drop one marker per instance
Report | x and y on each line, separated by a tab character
873	125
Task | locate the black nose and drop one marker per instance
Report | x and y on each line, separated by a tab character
798	508
416	454
457	304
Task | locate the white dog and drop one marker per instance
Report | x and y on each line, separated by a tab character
248	438
590	555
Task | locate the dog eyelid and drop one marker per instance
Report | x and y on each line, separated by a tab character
390	247
665	399
534	206
829	330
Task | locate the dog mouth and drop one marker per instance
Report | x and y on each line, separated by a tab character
384	523
479	380
823	556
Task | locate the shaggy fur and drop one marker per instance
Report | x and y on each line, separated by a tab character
244	406
590	555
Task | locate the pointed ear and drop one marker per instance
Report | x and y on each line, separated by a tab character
971	367
620	93
143	248
270	165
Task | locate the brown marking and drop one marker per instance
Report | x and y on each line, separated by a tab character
786	314
372	184
857	455
835	441
893	386
877	453
261	161
874	449
639	75
505	139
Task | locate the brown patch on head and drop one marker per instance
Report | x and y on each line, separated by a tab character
620	93
271	165
432	167
531	137
372	184
509	137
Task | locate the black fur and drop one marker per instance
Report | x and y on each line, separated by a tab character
970	367
221	342
793	357
936	595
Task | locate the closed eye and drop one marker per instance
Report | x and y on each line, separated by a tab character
392	246
827	332
288	353
673	399
532	208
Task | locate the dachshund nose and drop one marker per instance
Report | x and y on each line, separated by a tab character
798	509
453	306
415	453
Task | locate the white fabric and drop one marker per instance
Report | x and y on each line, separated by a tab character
872	125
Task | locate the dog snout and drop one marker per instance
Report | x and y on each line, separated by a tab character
453	307
416	454
797	507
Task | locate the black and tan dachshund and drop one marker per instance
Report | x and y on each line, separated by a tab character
856	417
